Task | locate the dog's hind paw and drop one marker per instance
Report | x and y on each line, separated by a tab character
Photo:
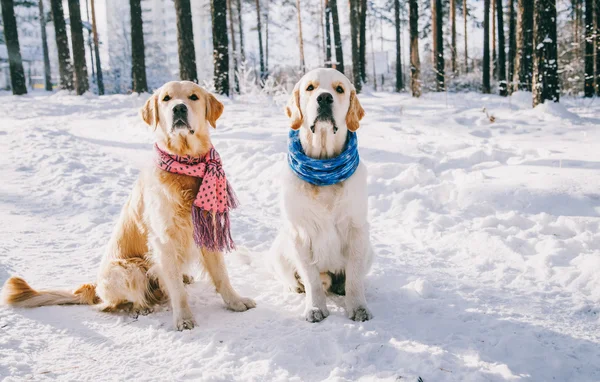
360	314
316	315
241	305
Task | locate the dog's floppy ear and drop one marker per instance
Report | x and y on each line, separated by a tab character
293	110
149	111
355	113
214	109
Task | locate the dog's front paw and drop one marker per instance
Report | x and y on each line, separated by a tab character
360	314
316	314
241	304
184	321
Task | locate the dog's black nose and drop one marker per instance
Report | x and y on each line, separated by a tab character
325	99
180	110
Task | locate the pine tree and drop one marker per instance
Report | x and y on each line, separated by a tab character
512	42
415	63
138	57
465	13
65	68
597	73
263	74
99	76
339	54
486	46
78	46
241	28
355	43
327	35
438	43
362	39
233	47
185	38
300	39
545	60
493	33
502	88
524	59
588	88
11	36
453	36
220	46
47	69
399	82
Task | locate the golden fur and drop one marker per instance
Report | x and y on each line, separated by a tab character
152	240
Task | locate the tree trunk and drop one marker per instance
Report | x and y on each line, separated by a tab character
267	38
339	54
512	43
355	43
438	43
78	46
138	57
47	71
220	46
588	87
399	82
597	74
100	77
241	27
185	39
494	56
524	59
545	66
300	39
233	48
362	47
327	35
65	68
486	46
15	62
260	44
453	36
502	86
89	39
415	63
465	13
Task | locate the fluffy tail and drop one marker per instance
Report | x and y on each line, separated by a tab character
16	292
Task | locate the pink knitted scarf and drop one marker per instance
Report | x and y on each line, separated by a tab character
210	210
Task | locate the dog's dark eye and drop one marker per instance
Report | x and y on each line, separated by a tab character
340	90
167	98
310	88
193	97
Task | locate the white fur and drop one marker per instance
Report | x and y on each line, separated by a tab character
324	228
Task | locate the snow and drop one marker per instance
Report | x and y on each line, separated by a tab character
486	235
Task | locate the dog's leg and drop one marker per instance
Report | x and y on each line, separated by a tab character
171	279
316	304
215	265
358	252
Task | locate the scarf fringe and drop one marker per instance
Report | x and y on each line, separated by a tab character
212	230
232	200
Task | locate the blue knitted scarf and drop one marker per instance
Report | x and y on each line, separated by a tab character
323	172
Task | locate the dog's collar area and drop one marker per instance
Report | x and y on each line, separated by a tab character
323	172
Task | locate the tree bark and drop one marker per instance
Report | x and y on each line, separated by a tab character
588	87
524	59
327	35
233	48
465	13
339	54
438	43
486	46
65	67
597	73
99	76
11	36
453	36
47	69
267	38
78	46
300	39
138	57
502	88
415	63
89	40
220	46
512	43
399	82
362	47
185	38
545	60
241	27
260	43
355	43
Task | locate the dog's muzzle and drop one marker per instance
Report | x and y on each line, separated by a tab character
180	118
324	111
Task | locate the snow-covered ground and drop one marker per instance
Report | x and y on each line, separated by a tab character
486	235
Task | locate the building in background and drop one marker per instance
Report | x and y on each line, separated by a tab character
160	42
